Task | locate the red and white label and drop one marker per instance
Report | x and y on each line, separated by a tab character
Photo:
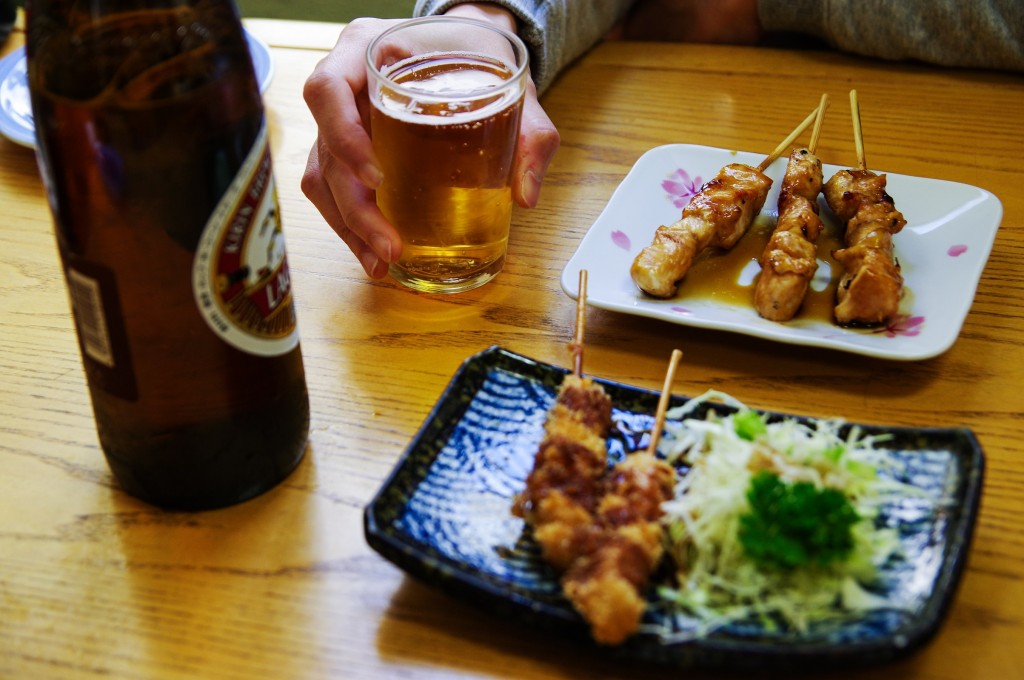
240	274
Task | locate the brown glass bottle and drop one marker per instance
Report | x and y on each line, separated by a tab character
152	144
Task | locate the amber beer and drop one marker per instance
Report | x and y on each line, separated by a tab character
153	146
445	125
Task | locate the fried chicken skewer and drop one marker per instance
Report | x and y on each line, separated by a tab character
563	489
607	584
871	286
716	217
790	259
597	527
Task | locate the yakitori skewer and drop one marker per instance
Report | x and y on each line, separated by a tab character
790	258
598	527
716	217
607	584
871	285
563	488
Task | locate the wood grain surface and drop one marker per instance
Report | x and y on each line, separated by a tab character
94	584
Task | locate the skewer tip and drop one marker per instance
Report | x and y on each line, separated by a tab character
818	121
666	395
576	346
858	136
781	148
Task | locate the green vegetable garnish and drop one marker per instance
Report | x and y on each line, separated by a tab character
749	425
795	525
834	453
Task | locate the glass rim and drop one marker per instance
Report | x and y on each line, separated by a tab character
515	41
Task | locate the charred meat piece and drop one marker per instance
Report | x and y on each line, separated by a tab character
716	217
871	286
790	258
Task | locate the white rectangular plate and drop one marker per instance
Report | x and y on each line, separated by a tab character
942	251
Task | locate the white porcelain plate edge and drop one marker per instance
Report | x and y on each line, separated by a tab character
942	250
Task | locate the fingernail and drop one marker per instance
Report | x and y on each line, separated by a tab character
371	175
370	263
382	247
531	188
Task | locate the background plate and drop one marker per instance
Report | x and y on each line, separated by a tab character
444	516
942	250
16	107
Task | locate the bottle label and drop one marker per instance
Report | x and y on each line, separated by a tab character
96	308
87	304
240	274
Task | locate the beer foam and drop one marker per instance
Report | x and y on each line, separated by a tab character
457	82
419	89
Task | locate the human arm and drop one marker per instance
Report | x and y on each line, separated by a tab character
978	33
556	31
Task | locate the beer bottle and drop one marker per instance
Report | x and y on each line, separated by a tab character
8	13
152	144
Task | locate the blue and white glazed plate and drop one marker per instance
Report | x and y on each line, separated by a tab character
444	516
942	250
16	123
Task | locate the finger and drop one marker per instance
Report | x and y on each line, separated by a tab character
351	211
336	92
538	142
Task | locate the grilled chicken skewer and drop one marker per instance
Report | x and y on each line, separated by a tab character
871	286
790	259
716	217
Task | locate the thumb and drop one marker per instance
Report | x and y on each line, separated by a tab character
538	142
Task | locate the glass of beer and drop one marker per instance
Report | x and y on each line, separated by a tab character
447	97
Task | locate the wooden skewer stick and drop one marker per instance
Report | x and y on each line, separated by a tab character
818	120
666	394
858	137
576	346
781	148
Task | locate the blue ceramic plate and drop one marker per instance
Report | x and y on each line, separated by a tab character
444	516
16	109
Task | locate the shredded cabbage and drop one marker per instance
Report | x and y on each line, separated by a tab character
717	582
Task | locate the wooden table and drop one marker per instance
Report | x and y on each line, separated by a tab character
96	584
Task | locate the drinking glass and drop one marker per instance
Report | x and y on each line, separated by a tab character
447	99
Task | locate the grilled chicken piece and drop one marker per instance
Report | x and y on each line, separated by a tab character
870	289
790	258
716	217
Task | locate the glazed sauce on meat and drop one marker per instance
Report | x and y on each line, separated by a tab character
719	275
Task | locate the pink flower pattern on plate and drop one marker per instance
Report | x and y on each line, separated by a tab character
680	187
903	324
957	250
621	239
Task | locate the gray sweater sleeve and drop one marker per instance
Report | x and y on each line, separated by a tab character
970	33
556	31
